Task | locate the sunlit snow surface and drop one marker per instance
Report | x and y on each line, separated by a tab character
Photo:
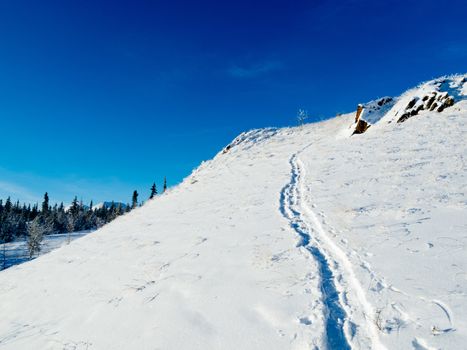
289	236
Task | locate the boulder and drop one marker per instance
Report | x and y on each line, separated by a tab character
411	103
361	127
448	102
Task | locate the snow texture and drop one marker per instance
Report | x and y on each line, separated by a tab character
294	238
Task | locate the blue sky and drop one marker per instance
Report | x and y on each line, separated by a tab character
98	98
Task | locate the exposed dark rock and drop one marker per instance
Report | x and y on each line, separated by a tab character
430	101
359	112
436	101
361	127
385	100
404	117
448	102
411	103
433	101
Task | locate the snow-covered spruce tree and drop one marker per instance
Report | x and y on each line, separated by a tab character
34	212
74	208
45	204
36	230
119	210
134	199
13	219
90	218
7	228
76	216
165	185
8	205
21	229
60	219
70	223
72	216
153	191
112	212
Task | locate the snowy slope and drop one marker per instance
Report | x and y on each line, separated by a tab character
295	238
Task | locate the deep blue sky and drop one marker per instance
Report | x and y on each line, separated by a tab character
98	98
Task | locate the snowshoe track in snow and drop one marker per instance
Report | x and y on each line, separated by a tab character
334	270
334	313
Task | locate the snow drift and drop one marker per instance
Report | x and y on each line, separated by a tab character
294	238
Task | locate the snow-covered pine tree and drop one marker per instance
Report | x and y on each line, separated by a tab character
36	230
7	207
45	204
34	212
7	227
60	219
74	208
119	210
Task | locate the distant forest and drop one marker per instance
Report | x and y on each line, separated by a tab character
32	222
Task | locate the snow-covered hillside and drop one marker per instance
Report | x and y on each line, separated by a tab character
294	238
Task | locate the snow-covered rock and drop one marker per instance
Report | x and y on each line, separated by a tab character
434	95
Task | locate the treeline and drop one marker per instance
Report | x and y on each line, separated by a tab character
18	221
15	218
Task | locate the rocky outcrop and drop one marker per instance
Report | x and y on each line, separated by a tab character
370	113
361	127
435	101
430	97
